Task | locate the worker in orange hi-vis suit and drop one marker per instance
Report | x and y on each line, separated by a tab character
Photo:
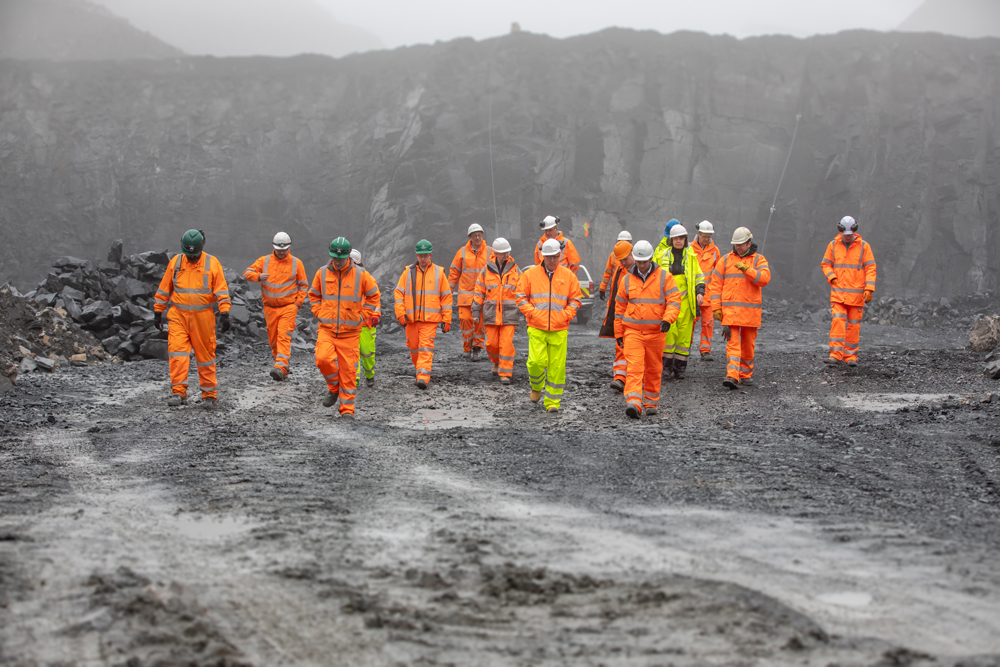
623	255
736	302
192	284
569	258
283	288
494	298
465	269
646	304
423	303
343	298
612	264
849	267
708	256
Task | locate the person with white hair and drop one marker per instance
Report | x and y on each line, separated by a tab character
465	269
367	358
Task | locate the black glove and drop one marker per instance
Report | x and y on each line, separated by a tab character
620	342
726	333
158	320
664	327
601	294
226	324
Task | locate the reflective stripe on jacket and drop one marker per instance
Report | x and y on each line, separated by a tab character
708	256
343	301
423	296
548	303
193	286
570	257
855	268
286	280
465	269
641	305
736	293
692	282
495	294
609	272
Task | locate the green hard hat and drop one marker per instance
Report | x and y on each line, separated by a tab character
193	241
340	248
424	247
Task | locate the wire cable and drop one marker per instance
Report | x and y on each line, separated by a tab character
489	131
795	133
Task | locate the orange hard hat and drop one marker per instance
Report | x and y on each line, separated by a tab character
622	250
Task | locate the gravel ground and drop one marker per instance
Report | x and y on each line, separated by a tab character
824	516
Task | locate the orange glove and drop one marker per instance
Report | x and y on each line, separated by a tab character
446	327
373	322
717	314
868	296
833	280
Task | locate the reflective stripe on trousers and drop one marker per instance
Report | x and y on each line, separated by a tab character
500	347
547	363
191	331
678	339
740	352
620	367
336	358
845	331
644	354
472	328
707	328
280	324
367	358
420	342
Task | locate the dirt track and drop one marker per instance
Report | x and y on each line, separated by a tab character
846	517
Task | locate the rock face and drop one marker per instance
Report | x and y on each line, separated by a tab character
985	334
620	129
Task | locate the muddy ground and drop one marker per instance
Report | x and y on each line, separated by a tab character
824	517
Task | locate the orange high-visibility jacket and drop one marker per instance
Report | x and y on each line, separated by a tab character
854	267
343	301
609	271
708	257
738	294
286	280
570	257
642	305
423	296
465	269
548	303
495	290
193	286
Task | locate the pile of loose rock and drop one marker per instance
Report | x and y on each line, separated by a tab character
985	337
956	313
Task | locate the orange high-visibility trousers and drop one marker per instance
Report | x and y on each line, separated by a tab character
740	352
707	327
337	360
644	356
187	331
280	324
420	342
500	347
845	331
472	328
620	366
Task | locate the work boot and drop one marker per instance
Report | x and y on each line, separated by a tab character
852	363
832	361
370	381
617	385
476	352
632	412
732	383
330	400
552	409
505	380
650	411
706	356
421	384
680	366
349	416
747	382
277	375
496	369
467	354
177	400
535	395
208	403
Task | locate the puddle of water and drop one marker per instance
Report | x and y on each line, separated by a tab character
427	420
887	402
846	599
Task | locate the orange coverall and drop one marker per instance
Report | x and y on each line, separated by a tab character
283	293
423	301
708	256
191	289
465	269
641	305
737	294
570	257
620	366
494	298
342	301
854	268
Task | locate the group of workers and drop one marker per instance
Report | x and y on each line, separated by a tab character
654	298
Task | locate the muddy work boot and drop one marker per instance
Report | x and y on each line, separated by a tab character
535	395
496	369
617	385
553	410
707	356
467	355
277	375
208	404
632	412
746	382
650	411
505	380
731	383
177	400
680	366
421	384
831	361
330	400
370	382
477	353
852	363
349	416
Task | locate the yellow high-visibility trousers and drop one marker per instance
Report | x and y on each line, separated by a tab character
367	352
678	339
547	364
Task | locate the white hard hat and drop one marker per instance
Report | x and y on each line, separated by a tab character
642	251
848	224
549	222
281	241
355	256
500	244
705	227
474	227
741	235
678	230
551	247
624	236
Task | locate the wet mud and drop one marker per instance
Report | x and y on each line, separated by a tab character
823	516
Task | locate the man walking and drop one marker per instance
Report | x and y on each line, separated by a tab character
465	269
548	296
494	300
191	285
368	332
283	289
849	267
708	255
550	231
623	257
423	303
612	265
